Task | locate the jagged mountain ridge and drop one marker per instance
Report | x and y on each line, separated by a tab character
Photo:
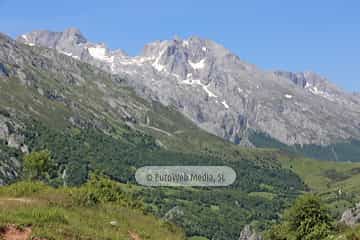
221	93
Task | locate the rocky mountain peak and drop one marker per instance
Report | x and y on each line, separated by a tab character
3	36
192	45
193	58
71	42
193	48
73	35
67	40
181	58
40	38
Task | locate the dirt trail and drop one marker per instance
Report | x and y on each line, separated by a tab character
12	232
156	129
134	236
22	200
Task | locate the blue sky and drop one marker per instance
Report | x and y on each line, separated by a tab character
321	35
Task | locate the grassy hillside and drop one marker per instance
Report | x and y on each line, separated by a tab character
66	213
345	151
337	183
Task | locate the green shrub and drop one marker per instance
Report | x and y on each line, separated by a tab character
38	165
307	219
278	232
100	189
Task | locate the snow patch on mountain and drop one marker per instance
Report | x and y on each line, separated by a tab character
198	65
25	37
225	104
69	54
159	67
27	40
288	96
190	81
314	90
100	53
134	61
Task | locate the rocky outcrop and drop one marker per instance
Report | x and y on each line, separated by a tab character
3	71
173	214
4	130
297	78
249	234
351	217
10	138
11	135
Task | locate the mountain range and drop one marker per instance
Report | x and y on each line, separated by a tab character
221	93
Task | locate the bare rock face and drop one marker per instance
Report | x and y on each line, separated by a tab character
4	131
221	93
3	71
10	135
173	214
249	234
9	166
351	217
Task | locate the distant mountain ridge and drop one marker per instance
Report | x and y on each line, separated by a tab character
221	93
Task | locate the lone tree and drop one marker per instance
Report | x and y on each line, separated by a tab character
307	219
37	165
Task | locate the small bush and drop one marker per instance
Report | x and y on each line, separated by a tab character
99	189
307	219
38	166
